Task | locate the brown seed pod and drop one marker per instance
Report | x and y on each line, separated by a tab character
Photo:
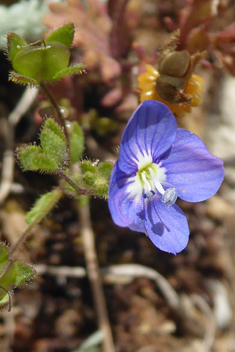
175	69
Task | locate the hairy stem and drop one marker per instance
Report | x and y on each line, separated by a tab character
80	191
94	276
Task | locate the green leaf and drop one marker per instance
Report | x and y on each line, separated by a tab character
56	58
41	62
105	169
104	125
16	78
76	143
42	206
64	35
53	141
52	154
3	255
14	45
33	158
69	71
12	274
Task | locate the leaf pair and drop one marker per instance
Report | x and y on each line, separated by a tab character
45	60
52	153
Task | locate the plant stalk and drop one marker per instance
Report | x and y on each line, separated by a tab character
94	276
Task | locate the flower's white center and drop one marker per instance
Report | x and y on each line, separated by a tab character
149	181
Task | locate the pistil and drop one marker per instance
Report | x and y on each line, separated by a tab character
152	185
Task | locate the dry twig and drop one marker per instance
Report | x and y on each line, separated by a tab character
125	273
94	276
8	157
210	330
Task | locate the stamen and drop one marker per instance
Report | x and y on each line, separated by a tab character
169	197
146	182
156	182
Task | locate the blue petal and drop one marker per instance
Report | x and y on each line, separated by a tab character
192	169
151	130
123	209
167	227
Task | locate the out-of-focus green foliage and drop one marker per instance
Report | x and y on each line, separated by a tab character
76	143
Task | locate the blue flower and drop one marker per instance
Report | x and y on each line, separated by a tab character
158	163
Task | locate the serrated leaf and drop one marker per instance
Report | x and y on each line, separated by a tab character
76	143
19	79
42	206
14	45
17	274
64	35
54	128
53	141
33	158
69	71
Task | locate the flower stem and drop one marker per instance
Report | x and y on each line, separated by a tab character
79	190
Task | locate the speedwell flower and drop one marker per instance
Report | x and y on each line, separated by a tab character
158	163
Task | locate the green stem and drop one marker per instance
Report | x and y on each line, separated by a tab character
79	190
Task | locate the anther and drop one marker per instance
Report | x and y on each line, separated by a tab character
169	197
